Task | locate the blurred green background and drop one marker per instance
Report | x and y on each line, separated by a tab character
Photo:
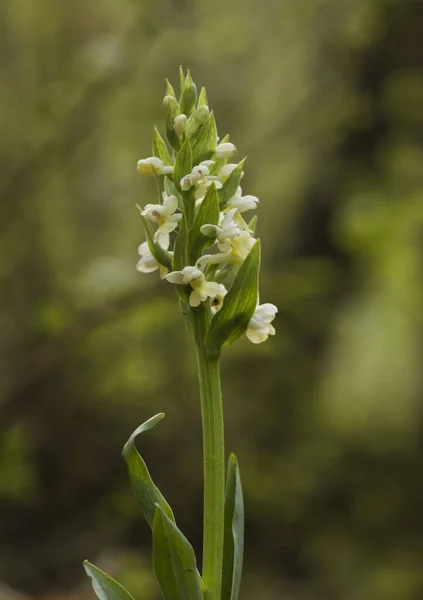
326	98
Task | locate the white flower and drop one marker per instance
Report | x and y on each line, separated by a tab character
153	166
242	203
200	178
217	301
259	327
147	263
232	251
225	150
179	124
164	216
226	229
201	289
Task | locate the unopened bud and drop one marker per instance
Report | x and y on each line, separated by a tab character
201	113
225	150
179	124
153	166
171	106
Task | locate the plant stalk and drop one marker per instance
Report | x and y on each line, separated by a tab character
213	455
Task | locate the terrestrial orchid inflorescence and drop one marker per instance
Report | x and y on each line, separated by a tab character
198	237
203	206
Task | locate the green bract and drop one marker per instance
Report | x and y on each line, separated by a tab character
238	308
207	213
204	141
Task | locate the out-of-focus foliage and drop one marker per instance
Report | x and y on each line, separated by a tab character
325	97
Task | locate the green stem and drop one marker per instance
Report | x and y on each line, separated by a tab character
213	454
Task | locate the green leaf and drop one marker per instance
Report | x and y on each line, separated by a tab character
104	586
162	256
183	164
180	259
171	107
148	495
204	141
174	561
233	549
160	149
181	80
179	251
202	98
170	188
188	96
231	185
169	89
253	224
208	213
239	304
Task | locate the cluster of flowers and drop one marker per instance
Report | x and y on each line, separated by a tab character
230	240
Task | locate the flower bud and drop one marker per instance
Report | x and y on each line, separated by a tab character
226	170
225	150
201	114
153	166
179	124
171	106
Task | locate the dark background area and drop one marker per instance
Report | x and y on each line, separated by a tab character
326	99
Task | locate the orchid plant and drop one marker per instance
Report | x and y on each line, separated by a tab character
214	265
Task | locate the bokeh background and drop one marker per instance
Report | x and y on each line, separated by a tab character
326	98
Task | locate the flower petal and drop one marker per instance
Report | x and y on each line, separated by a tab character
171	203
175	277
195	298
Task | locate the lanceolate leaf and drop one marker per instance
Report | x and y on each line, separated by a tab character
181	80
171	190
171	111
174	561
147	493
160	254
252	225
183	164
169	89
180	258
160	149
231	185
179	253
233	549
204	141
105	587
208	213
202	98
239	304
